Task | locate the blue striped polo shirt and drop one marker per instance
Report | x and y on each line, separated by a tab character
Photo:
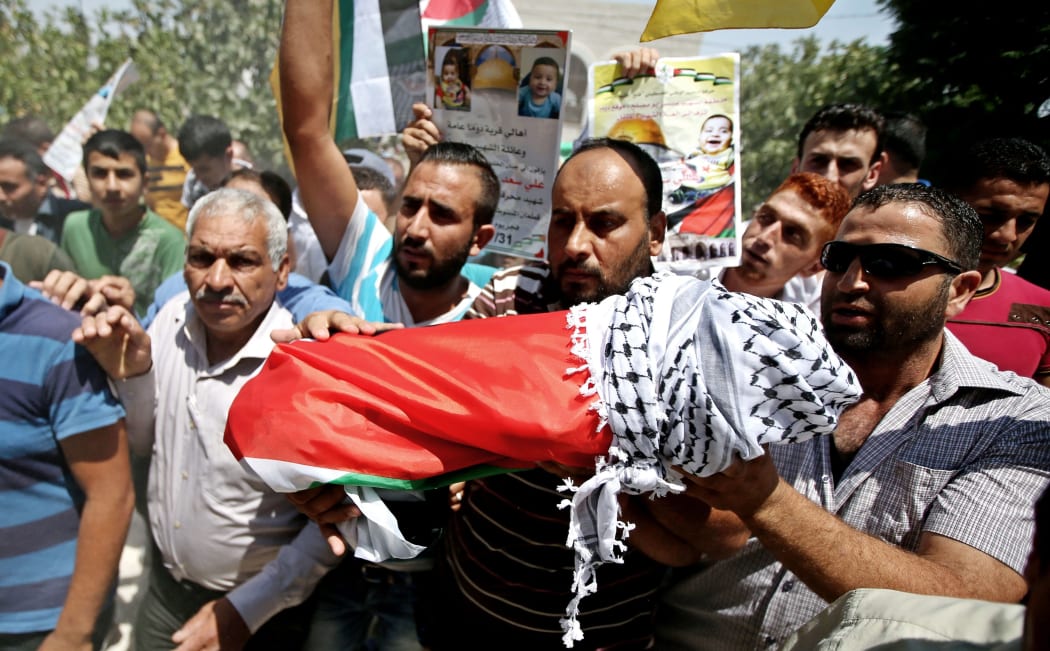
50	389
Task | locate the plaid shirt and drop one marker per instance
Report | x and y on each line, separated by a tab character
965	455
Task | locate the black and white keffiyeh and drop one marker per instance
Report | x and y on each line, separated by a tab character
689	374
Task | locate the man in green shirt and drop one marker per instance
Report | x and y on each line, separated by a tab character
120	236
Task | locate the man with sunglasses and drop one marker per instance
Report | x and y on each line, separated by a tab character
927	483
1007	322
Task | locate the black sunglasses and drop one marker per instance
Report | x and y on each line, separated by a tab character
883	260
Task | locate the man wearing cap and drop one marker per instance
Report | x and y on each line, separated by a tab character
928	481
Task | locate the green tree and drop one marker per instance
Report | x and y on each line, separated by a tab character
979	70
193	56
781	89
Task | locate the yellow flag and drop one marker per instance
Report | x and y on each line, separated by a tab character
672	17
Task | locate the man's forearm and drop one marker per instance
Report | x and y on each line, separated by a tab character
306	68
833	558
103	529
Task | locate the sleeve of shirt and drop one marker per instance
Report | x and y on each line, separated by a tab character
356	266
139	397
988	505
187	189
287	580
79	399
172	257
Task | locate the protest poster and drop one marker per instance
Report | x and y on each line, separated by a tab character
501	91
685	113
65	154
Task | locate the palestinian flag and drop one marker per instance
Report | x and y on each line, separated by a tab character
672	17
417	408
497	14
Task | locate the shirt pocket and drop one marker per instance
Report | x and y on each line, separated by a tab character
906	492
221	476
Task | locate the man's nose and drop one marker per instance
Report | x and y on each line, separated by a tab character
578	245
219	276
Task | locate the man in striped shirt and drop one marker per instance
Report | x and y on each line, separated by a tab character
65	484
506	573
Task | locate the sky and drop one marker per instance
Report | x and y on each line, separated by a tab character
847	20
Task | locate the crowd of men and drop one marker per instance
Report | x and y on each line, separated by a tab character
133	314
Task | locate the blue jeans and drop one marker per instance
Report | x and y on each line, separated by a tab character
363	606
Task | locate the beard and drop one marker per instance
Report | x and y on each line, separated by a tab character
440	273
612	281
892	331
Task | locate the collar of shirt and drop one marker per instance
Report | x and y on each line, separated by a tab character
258	347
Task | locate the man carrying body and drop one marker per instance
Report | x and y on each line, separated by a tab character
506	573
66	495
121	236
843	143
1007	322
26	203
232	553
166	173
928	481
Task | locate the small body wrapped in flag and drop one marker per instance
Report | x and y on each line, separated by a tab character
677	373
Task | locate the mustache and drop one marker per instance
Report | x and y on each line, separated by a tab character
233	298
576	265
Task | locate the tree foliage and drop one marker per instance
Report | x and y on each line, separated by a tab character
781	89
193	56
979	70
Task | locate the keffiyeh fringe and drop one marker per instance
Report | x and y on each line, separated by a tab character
688	374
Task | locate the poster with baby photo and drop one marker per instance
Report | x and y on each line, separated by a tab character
685	113
500	90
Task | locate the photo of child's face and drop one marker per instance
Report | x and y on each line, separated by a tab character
716	135
543	80
449	73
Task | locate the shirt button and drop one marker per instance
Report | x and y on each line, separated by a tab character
770	640
178	525
185	475
826	479
788	586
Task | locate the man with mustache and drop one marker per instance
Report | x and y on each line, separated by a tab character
233	559
1007	181
927	483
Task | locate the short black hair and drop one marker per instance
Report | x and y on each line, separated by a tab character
458	153
845	117
111	143
203	135
961	227
31	128
904	138
1016	159
642	163
26	152
272	183
368	178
